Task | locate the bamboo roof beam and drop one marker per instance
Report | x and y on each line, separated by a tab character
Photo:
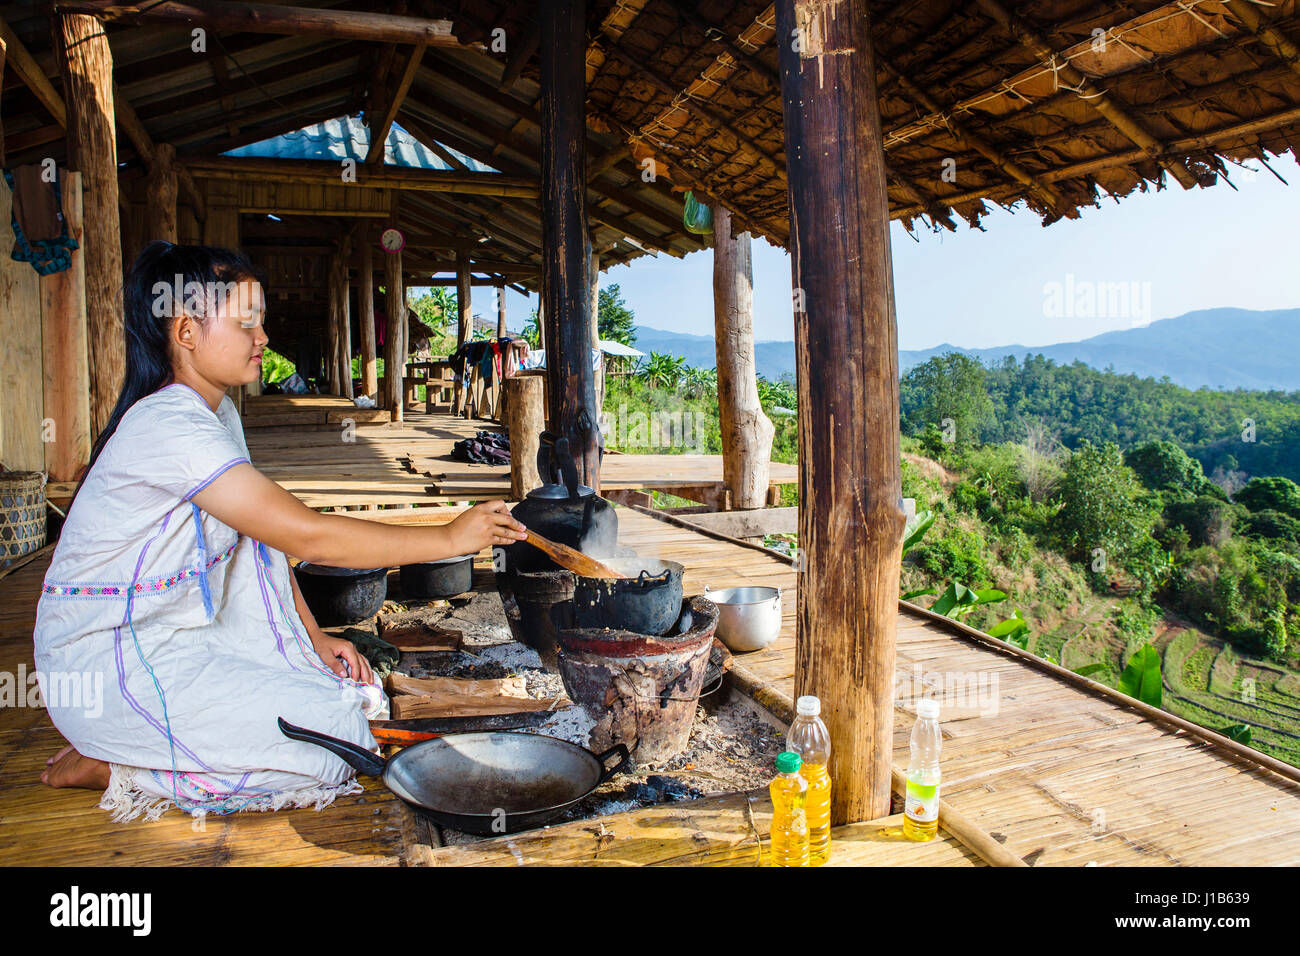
685	100
1268	35
393	103
326	173
980	145
1088	167
30	72
272	18
519	59
144	145
1104	103
756	67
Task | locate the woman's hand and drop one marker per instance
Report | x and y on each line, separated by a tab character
482	526
338	651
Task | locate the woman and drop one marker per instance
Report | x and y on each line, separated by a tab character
170	589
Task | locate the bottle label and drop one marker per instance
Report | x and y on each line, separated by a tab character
922	802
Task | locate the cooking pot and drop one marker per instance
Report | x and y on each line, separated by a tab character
431	580
569	513
647	601
749	618
341	595
486	783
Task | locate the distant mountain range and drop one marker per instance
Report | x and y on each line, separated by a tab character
1210	348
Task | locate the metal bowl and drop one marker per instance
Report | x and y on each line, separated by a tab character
749	619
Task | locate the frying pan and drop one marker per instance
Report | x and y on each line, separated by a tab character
486	783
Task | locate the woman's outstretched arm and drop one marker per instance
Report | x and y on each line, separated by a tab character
254	505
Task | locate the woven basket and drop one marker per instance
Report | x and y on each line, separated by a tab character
22	514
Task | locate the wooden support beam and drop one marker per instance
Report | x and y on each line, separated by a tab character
340	336
746	432
379	130
366	317
1104	103
272	18
464	322
3	48
160	203
129	122
395	335
68	369
326	173
501	308
519	59
566	246
30	72
1277	42
851	515
86	66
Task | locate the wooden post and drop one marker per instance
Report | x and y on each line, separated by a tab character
366	319
395	337
160	204
566	245
340	337
501	309
464	324
86	66
65	347
3	49
593	319
746	431
525	422
846	350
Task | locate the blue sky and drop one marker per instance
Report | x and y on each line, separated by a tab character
1186	250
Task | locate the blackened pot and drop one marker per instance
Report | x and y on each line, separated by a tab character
431	580
341	595
647	601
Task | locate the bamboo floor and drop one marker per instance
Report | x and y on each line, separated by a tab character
1052	766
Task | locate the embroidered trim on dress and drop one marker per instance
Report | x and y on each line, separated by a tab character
142	587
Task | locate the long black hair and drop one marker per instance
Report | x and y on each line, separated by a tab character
148	326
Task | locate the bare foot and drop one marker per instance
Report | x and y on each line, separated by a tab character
68	768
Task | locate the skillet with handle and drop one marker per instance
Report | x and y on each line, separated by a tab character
487	783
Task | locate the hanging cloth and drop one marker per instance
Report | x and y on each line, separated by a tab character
40	231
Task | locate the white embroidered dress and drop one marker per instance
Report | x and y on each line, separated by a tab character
189	630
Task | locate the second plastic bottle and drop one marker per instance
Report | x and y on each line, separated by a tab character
809	738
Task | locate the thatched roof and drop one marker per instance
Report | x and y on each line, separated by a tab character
1045	101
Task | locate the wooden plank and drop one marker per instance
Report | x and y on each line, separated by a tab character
747	524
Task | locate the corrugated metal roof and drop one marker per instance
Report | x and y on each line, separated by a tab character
348	138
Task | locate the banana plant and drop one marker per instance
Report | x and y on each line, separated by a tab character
1014	630
959	600
1141	676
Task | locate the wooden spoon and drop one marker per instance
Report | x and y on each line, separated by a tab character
571	559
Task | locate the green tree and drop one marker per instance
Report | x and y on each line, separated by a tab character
614	320
1163	464
948	400
1106	515
1275	494
438	309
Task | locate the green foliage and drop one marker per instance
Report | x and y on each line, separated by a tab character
1104	513
531	332
1014	630
275	367
946	396
660	370
1141	676
1207	520
1163	464
959	600
956	554
1238	732
1271	494
438	308
1081	403
614	320
1272	524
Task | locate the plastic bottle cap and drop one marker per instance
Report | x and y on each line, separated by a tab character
788	762
927	709
808	706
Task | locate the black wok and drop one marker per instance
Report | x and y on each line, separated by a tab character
485	783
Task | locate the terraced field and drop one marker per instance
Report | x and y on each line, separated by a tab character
1210	683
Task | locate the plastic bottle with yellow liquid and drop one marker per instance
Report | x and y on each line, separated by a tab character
809	738
789	833
921	820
